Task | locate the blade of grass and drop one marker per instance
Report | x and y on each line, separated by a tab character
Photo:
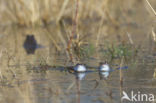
0	68
151	7
62	10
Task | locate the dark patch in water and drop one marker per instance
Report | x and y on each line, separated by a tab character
30	44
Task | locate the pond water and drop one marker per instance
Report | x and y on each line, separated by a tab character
57	85
42	77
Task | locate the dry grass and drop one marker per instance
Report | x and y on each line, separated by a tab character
151	7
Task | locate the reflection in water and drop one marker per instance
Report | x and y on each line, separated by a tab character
78	90
103	75
30	44
80	76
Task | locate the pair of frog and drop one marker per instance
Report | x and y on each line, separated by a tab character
104	67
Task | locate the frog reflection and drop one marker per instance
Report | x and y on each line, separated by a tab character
104	75
80	76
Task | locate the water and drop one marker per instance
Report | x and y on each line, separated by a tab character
55	86
41	78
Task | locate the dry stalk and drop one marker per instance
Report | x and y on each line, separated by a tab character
130	38
74	27
153	34
151	7
62	10
121	76
154	74
47	32
0	68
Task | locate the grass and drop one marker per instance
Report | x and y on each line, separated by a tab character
117	51
84	51
154	74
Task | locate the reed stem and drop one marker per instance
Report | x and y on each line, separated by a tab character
74	27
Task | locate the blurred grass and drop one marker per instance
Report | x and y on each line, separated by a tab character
39	12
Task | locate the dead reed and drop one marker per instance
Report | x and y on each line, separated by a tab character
74	28
154	12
